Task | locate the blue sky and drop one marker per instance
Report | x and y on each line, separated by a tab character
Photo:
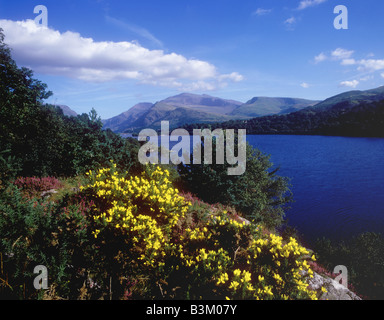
110	54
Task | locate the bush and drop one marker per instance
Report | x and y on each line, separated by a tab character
145	231
363	256
37	232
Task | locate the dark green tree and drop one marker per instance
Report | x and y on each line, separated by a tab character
259	194
38	139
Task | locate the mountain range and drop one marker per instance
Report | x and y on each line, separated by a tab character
352	113
189	108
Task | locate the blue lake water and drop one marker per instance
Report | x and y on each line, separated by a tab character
337	182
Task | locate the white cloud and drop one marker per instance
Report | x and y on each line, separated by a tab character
382	75
69	54
290	21
309	3
371	65
341	53
348	62
304	85
351	84
261	12
234	76
321	57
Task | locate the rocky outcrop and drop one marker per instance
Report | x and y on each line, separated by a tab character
335	290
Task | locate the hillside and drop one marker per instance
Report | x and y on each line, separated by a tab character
350	99
125	119
67	110
189	108
353	113
262	106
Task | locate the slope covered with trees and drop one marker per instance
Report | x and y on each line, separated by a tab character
356	113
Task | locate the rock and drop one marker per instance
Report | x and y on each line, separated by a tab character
48	193
335	290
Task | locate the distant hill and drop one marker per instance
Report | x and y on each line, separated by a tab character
353	113
350	99
263	106
189	108
124	120
67	110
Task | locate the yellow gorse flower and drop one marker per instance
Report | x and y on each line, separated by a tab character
145	208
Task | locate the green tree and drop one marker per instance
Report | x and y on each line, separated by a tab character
38	139
20	98
259	194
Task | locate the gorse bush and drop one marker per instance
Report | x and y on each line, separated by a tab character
141	227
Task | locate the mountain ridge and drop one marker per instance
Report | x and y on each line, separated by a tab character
186	108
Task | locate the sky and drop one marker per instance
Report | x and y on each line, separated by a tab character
112	54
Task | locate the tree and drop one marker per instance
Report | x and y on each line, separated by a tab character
38	139
259	194
20	96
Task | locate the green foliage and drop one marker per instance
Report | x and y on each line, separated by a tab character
42	139
9	168
39	232
364	258
259	194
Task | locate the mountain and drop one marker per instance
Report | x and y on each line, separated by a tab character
178	110
204	103
189	108
262	106
67	110
125	119
350	99
353	113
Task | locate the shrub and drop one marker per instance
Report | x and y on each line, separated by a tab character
41	233
144	231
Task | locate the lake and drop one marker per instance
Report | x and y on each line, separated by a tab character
337	182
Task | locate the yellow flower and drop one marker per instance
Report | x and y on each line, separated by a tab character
246	276
234	285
